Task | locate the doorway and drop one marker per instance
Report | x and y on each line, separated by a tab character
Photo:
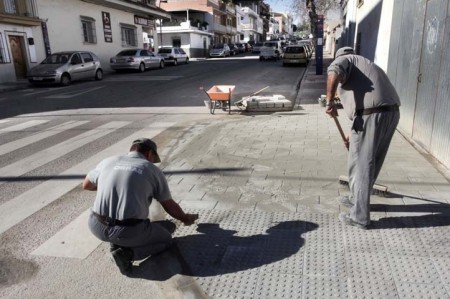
18	56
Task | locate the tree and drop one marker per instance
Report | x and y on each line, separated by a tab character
305	9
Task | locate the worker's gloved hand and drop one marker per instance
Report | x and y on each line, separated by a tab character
331	110
190	219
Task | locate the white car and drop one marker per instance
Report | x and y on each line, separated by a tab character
222	50
173	55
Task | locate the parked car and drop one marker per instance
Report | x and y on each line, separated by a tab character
268	53
65	67
295	54
221	50
241	48
136	59
256	47
173	55
309	47
234	50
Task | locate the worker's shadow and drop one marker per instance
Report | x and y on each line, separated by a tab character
217	251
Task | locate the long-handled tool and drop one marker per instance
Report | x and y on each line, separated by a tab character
239	103
343	180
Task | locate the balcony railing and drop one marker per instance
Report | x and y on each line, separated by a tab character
22	8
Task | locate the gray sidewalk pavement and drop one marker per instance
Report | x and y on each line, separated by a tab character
265	186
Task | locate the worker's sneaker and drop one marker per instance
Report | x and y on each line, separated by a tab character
346	201
345	218
122	257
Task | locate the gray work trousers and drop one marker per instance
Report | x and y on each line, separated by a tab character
369	143
144	239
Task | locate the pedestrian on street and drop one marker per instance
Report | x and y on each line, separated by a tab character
370	101
126	185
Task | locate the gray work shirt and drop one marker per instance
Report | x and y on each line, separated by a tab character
364	85
126	186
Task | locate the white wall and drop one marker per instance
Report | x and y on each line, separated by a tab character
65	31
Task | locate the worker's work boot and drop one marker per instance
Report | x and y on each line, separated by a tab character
123	257
346	219
346	201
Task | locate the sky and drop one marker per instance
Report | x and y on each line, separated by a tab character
279	5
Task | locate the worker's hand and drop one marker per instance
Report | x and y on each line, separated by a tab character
331	110
190	219
347	141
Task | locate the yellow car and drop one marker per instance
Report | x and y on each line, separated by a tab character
295	54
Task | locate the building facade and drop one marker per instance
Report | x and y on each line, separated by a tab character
30	30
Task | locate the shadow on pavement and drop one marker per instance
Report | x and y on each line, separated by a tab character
422	221
217	251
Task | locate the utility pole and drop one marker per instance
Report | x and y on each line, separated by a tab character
160	23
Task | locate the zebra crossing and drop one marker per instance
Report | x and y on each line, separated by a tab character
74	240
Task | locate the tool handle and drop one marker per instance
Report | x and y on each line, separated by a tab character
338	125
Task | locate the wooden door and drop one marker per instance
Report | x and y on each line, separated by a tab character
18	56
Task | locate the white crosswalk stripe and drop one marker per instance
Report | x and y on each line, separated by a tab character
74	240
13	145
22	126
40	158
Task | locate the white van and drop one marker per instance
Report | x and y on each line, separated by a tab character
275	44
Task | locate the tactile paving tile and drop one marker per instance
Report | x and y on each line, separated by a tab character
314	287
363	240
413	269
363	265
279	286
432	291
292	265
403	242
231	285
443	267
326	263
371	287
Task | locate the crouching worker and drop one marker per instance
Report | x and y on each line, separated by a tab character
125	186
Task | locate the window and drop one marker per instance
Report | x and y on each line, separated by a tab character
2	50
176	42
129	35
88	26
76	59
87	57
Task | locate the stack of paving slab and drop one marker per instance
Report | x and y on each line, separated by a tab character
265	103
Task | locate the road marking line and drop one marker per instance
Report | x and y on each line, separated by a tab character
72	94
73	241
2	121
143	78
21	207
22	126
11	146
43	157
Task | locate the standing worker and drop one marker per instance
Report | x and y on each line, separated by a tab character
372	104
125	188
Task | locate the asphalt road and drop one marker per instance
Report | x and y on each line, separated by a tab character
173	86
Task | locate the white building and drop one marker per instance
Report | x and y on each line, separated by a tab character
30	30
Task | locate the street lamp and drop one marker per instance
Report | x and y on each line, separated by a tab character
160	23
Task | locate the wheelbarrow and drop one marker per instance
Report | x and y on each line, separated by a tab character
219	97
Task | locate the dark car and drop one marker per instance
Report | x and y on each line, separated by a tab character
234	50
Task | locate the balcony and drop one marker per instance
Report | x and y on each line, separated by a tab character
21	12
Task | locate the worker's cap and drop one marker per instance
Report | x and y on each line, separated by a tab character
148	144
344	51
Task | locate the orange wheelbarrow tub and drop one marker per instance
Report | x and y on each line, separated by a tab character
219	96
